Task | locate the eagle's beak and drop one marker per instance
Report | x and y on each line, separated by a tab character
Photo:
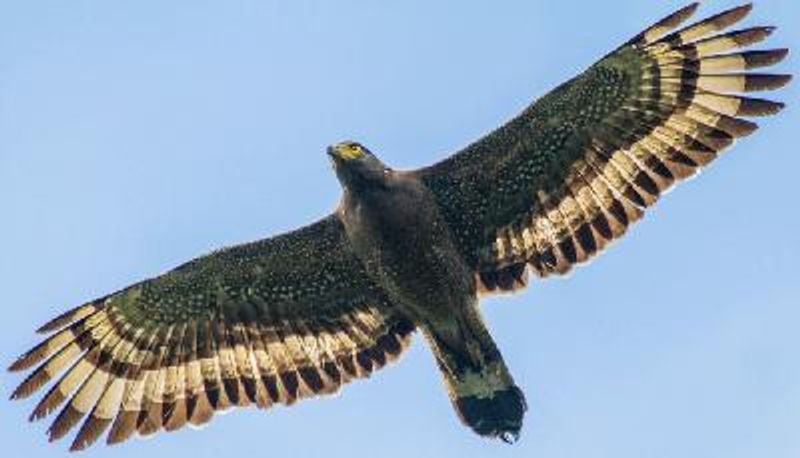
332	152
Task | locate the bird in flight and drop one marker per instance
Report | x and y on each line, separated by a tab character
302	313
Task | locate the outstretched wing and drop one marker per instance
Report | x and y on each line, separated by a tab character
266	322
568	175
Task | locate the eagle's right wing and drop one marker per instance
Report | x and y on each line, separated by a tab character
266	322
559	182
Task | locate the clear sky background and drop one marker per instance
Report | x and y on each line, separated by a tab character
136	135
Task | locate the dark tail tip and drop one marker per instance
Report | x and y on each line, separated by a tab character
499	416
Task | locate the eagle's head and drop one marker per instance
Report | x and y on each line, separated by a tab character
356	166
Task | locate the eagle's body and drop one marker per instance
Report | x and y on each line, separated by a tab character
303	313
396	230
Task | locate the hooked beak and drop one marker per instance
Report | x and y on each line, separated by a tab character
332	152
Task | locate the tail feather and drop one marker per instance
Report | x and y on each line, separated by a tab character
495	412
477	380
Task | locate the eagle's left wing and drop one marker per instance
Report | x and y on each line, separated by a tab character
567	176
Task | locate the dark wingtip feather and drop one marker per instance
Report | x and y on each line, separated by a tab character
731	16
29	385
759	82
738	12
665	25
756	59
707	26
26	360
123	428
737	127
71	315
54	324
681	15
30	358
759	107
763	31
678	17
68	418
745	37
91	430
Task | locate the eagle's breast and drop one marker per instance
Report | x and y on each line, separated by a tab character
399	234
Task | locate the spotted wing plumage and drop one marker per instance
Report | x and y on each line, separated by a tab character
574	170
267	322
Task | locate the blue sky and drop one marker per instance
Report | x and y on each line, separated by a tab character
136	135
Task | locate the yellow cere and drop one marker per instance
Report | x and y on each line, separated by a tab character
349	151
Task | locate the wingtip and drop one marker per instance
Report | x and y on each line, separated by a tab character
58	322
740	12
759	107
766	82
750	130
768	108
18	394
18	365
774	56
35	416
665	25
744	8
78	446
46	328
783	80
686	12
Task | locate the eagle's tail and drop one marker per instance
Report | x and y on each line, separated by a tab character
492	410
478	382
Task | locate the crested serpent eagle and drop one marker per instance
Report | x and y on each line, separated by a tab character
302	313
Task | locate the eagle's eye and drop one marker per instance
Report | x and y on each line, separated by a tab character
347	151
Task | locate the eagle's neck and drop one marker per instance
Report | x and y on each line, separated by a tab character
363	176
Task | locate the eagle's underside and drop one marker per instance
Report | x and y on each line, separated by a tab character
303	313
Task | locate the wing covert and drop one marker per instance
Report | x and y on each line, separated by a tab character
575	169
267	322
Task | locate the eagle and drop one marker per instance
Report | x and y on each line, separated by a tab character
300	314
